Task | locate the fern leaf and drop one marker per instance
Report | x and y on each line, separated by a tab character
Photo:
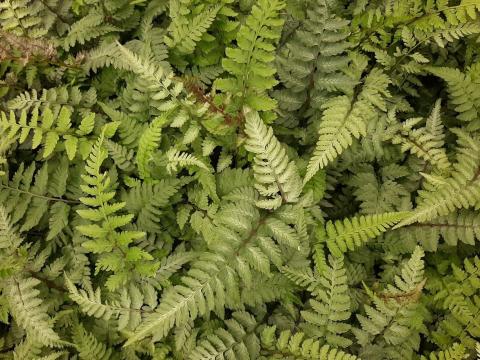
249	64
184	37
345	119
297	346
176	159
350	234
332	307
199	293
28	309
463	91
88	346
276	177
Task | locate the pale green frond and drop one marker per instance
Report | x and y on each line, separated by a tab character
276	177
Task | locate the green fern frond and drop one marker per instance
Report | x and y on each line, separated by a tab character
88	346
235	340
87	28
30	194
146	201
276	177
30	18
345	118
458	191
148	143
350	234
297	346
183	37
28	309
250	63
455	352
90	301
331	308
310	63
47	129
176	159
463	89
115	247
199	293
426	142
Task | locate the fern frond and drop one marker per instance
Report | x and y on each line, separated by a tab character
46	129
148	143
460	190
115	247
88	346
235	340
29	311
427	142
396	316
276	177
345	118
199	293
350	234
87	28
297	346
250	63
146	201
176	159
90	301
455	352
463	89
331	308
183	37
26	17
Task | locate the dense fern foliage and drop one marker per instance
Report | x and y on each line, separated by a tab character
251	179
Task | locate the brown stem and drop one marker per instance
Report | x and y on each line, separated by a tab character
198	93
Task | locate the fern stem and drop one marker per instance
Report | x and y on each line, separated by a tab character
49	283
250	236
446	225
53	11
48	198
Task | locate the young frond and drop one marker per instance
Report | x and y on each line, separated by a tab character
411	278
183	37
148	143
